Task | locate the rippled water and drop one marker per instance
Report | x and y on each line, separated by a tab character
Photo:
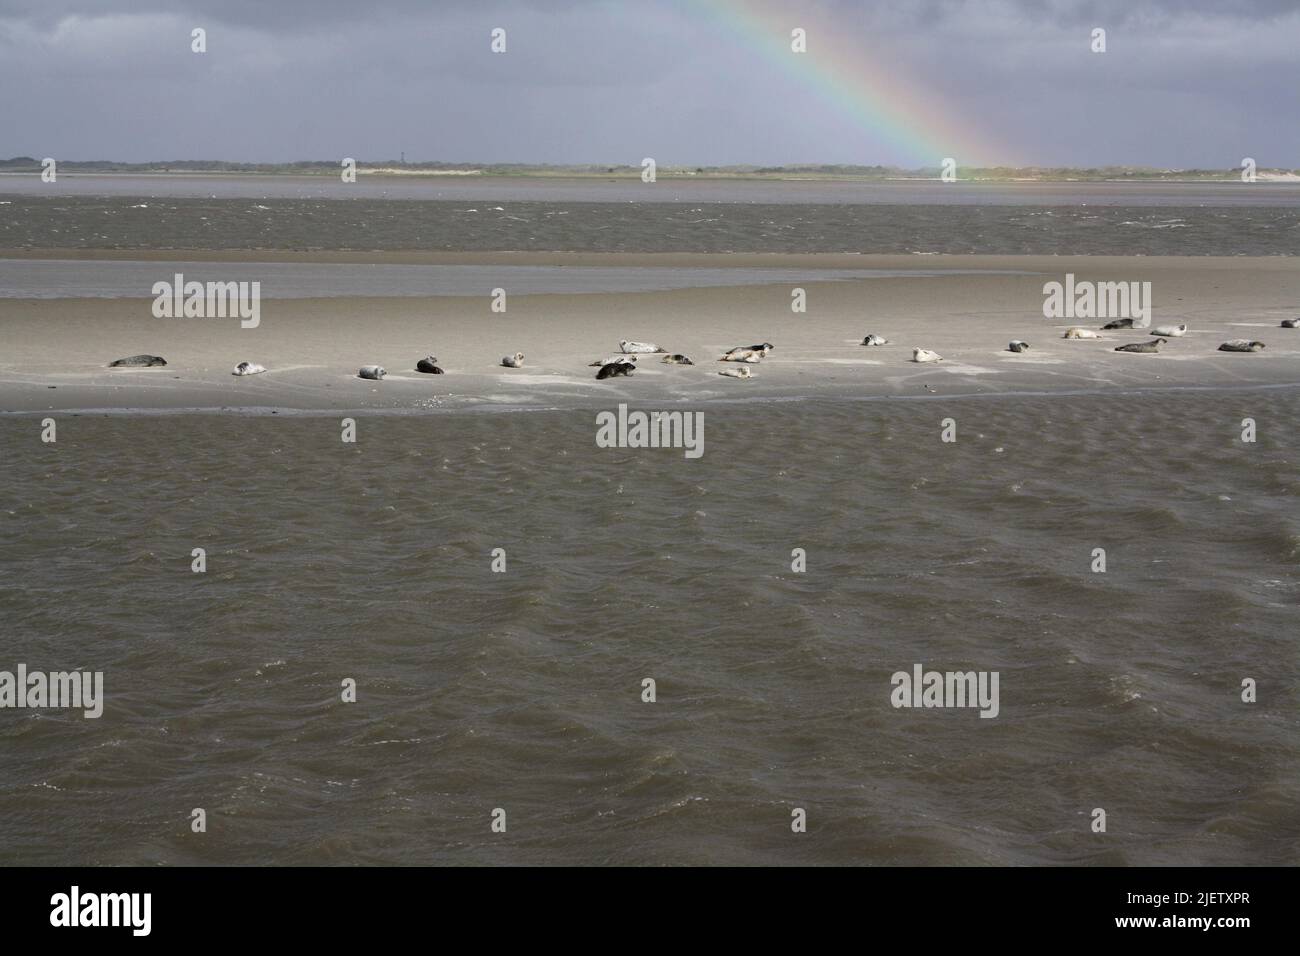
1142	227
521	690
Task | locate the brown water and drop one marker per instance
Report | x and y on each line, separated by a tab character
522	690
1144	225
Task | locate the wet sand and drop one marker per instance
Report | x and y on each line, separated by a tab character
56	351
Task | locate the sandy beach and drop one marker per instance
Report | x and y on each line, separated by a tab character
57	350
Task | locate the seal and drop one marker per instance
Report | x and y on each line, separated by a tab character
746	353
375	372
248	368
1077	332
627	346
612	359
925	355
735	372
1241	345
514	361
677	358
1018	346
1152	346
428	365
1170	331
615	368
1291	323
1118	324
874	339
138	361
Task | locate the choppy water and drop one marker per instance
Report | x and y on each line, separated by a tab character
1146	225
88	278
522	690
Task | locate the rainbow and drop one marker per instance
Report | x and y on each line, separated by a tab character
894	109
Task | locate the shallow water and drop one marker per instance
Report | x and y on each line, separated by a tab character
1141	227
521	690
80	278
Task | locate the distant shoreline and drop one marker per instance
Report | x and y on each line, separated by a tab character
27	166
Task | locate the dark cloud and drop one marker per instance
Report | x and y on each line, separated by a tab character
1184	83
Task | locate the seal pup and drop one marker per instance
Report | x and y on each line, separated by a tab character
677	358
429	365
627	346
1170	331
612	359
615	368
925	355
1118	324
735	372
138	361
1018	346
374	372
1152	346
513	361
1077	332
248	368
1240	345
874	339
1291	323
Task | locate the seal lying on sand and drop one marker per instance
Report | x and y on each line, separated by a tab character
1080	333
1291	323
735	372
745	353
615	368
925	355
375	372
1018	346
639	347
1170	331
874	339
514	361
248	368
1119	324
613	359
138	361
677	358
429	365
1240	345
1152	346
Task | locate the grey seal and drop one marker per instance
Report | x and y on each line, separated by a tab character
874	339
1152	346
248	368
514	361
138	361
1118	324
1291	323
374	372
1241	345
615	368
1018	346
626	346
429	365
677	359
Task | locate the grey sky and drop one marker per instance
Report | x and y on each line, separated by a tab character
1186	83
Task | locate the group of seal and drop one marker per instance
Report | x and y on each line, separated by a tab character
625	363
